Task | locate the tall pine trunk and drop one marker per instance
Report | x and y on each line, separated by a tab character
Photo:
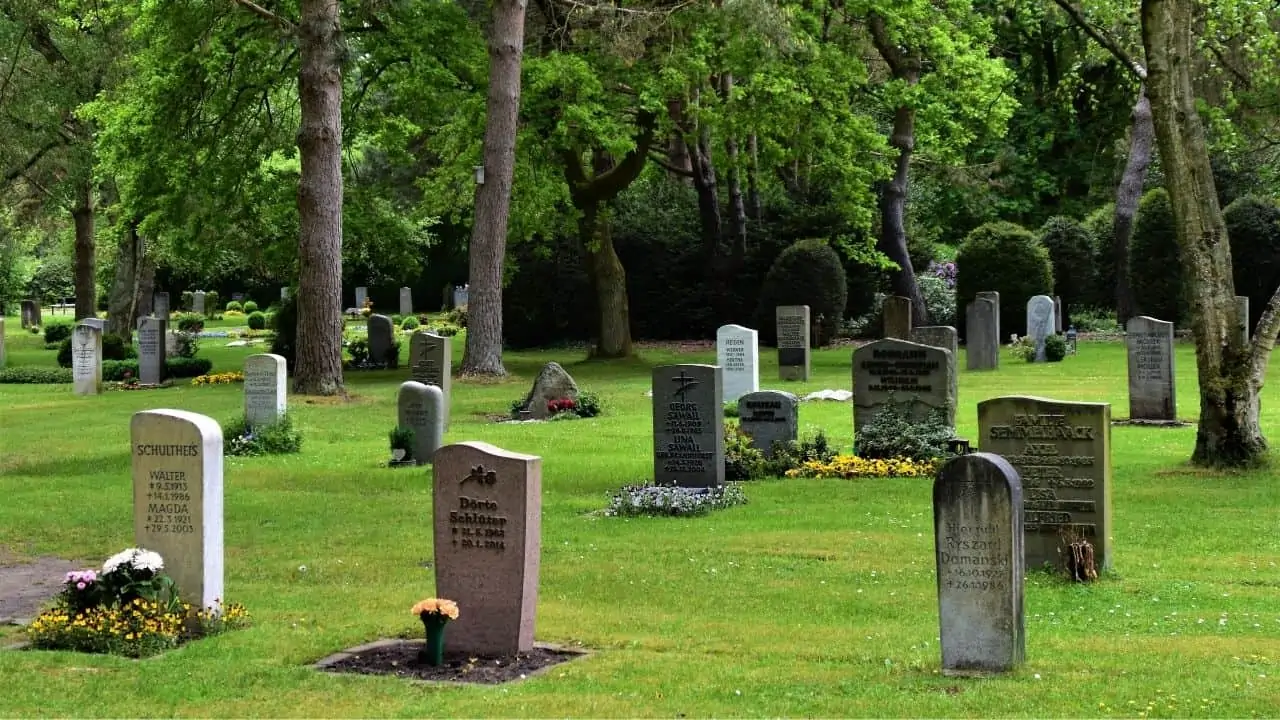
318	367
1228	433
1128	194
85	252
483	354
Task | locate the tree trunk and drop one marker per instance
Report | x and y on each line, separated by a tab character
123	297
1128	194
893	212
610	280
85	281
754	206
737	208
318	367
146	284
704	185
677	150
1228	432
483	354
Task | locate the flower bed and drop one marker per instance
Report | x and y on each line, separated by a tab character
223	378
852	466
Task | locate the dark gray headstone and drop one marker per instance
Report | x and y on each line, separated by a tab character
160	305
431	363
406	301
1151	376
792	323
769	416
945	337
688	426
977	522
897	317
1057	314
151	349
1039	323
994	298
381	338
197	302
902	372
1062	452
982	344
30	313
421	407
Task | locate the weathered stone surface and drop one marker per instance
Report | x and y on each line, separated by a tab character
197	302
897	317
945	337
553	383
421	407
177	498
461	296
793	341
265	394
284	293
431	363
160	305
1039	323
769	416
1062	452
994	298
902	372
1151	369
362	296
406	301
488	545
381	341
738	355
978	535
151	349
982	346
688	426
1242	312
86	358
1057	314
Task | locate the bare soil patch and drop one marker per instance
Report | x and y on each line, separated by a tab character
400	658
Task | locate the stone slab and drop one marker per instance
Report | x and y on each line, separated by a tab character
688	425
793	326
897	317
738	355
900	371
431	363
421	407
86	359
265	389
152	349
406	301
982	343
769	416
1039	323
1152	395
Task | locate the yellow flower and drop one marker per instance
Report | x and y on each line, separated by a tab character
436	606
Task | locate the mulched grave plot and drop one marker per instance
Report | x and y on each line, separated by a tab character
400	658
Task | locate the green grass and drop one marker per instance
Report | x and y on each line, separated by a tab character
817	598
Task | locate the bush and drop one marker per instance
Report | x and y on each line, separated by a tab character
188	300
807	273
588	405
34	376
1093	320
852	466
893	433
1070	249
285	323
186	346
114	370
1008	259
669	501
114	347
278	438
457	316
235	306
794	454
55	331
939	299
257	321
1100	224
64	353
1055	348
742	461
189	322
250	307
211	302
1253	228
409	323
1155	268
183	367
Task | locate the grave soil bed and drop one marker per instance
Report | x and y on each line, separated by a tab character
400	658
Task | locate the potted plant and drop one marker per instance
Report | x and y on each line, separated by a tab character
434	613
401	447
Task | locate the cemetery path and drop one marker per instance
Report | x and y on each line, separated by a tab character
26	587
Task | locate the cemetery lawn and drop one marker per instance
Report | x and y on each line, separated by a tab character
817	598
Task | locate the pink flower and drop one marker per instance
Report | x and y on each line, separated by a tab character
80	586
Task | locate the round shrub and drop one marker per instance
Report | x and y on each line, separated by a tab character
190	322
64	353
1008	259
55	331
1155	270
115	347
235	306
250	306
807	273
1102	238
409	323
257	321
1071	253
1253	228
1055	348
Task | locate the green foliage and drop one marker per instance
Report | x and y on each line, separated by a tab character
791	454
114	347
1092	320
278	438
1055	348
34	376
1155	266
235	306
807	273
731	410
257	320
409	323
457	317
1100	224
189	322
55	331
285	324
588	404
187	367
893	433
742	461
250	307
1007	259
1070	249
64	353
671	501
401	438
939	299
188	300
119	370
1253	228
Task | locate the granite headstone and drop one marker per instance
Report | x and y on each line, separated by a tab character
430	363
160	305
906	373
362	296
421	407
1039	323
197	302
151	349
792	322
738	355
769	416
897	317
406	301
688	426
982	344
381	341
1151	374
265	395
86	359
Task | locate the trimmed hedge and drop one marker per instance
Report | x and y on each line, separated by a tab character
34	376
1008	259
55	331
1070	249
1101	226
1253	229
1155	268
807	273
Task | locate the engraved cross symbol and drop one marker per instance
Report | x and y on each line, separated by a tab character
686	384
480	476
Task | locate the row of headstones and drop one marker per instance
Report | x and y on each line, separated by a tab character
487	507
457	296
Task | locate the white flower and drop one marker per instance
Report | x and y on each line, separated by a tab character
148	560
121	558
136	558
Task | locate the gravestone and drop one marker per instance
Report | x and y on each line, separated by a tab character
430	363
1242	312
792	322
769	416
902	372
1	341
488	545
265	394
1062	452
1151	376
177	498
945	337
1039	323
151	350
1057	314
160	305
30	313
86	359
446	302
284	293
994	298
461	294
982	344
406	301
738	355
421	407
688	426
381	336
197	302
95	322
897	317
553	383
362	296
978	535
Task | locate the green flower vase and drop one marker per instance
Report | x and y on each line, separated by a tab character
432	653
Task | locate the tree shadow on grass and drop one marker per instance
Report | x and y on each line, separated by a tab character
79	465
